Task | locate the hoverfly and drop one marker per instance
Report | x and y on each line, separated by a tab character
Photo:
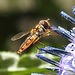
41	29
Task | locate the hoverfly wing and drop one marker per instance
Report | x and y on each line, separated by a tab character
19	35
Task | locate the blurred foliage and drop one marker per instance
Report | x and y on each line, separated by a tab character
4	64
27	62
24	66
23	15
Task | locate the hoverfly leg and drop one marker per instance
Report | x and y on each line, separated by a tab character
42	43
37	48
50	33
39	42
35	45
53	34
53	30
46	34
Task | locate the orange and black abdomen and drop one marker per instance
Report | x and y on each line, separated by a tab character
27	43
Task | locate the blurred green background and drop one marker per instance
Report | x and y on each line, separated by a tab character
22	15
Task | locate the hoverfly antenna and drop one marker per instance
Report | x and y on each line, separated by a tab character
48	19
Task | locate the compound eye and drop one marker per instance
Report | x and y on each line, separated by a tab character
44	23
